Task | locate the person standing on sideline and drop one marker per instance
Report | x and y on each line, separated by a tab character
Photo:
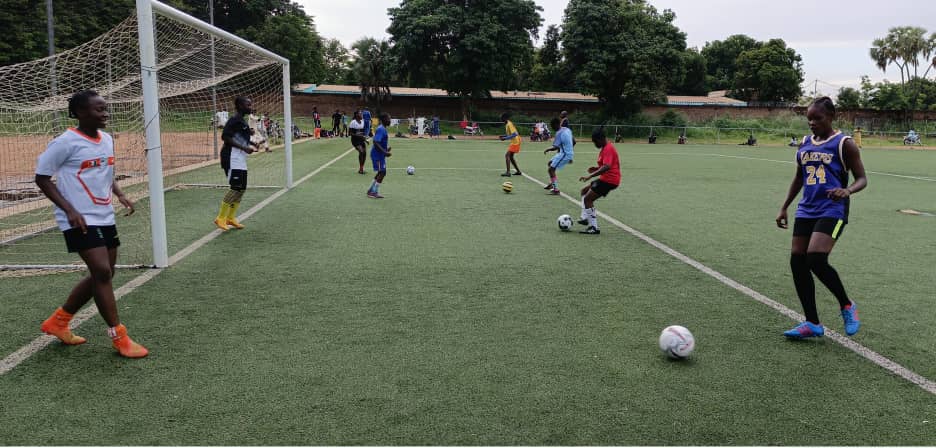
82	161
823	162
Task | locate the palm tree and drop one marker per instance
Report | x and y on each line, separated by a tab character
373	66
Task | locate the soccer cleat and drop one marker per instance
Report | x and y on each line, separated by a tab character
57	325
360	171
805	330
583	222
517	173
233	222
555	191
125	346
850	316
507	174
590	231
548	186
221	223
374	194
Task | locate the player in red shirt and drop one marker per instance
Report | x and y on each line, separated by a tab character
608	173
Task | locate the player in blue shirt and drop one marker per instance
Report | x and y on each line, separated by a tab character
563	144
822	165
367	122
379	153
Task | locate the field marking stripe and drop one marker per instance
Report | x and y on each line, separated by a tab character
895	368
23	353
903	176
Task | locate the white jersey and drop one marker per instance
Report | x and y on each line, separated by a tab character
356	124
84	172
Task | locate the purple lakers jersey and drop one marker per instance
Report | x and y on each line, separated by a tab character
822	165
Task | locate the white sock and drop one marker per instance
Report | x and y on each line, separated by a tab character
583	215
592	218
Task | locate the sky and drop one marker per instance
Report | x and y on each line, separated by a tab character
833	38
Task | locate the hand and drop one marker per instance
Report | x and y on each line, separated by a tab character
501	138
127	203
584	178
782	219
76	221
592	169
837	194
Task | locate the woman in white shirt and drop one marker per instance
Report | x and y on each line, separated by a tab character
82	160
358	140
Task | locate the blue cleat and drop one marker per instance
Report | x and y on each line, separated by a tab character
805	330
850	316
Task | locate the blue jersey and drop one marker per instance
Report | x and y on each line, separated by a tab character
380	136
822	165
563	141
367	119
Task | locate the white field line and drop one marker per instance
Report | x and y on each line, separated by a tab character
880	360
14	359
925	179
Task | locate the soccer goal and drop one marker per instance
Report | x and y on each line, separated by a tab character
170	81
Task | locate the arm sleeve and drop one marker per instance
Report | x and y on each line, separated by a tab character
230	128
52	158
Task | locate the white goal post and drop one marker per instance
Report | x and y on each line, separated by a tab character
149	73
169	80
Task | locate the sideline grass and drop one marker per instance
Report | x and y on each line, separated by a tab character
452	313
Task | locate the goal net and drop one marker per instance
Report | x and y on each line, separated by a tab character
200	70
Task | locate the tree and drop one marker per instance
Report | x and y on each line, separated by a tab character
337	62
373	67
694	81
849	98
771	72
549	72
292	36
721	59
466	48
630	59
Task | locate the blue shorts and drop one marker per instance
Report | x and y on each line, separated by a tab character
560	160
379	160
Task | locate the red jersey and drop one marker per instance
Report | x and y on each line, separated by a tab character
609	156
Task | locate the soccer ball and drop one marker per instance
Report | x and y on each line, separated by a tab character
410	170
565	223
507	186
676	342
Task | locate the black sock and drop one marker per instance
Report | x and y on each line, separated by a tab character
805	286
819	264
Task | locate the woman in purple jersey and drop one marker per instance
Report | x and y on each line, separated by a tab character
822	165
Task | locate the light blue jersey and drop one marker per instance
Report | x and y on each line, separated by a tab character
563	141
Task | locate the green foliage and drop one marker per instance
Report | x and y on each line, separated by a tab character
694	81
772	72
671	118
293	37
624	52
337	62
373	67
905	47
721	58
466	49
848	98
549	70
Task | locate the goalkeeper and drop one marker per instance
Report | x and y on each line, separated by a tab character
237	145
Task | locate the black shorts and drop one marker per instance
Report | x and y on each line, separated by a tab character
602	188
97	236
237	179
358	141
829	226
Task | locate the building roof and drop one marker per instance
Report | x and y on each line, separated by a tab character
332	89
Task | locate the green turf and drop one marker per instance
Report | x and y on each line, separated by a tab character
452	313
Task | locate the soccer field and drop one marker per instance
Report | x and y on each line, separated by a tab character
451	313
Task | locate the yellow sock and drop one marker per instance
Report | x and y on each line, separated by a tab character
225	210
232	210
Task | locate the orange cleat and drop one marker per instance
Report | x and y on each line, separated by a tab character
126	346
233	222
57	325
221	223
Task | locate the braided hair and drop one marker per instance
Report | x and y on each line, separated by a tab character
826	104
79	101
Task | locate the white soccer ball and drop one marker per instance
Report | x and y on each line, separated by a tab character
565	223
410	170
676	342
